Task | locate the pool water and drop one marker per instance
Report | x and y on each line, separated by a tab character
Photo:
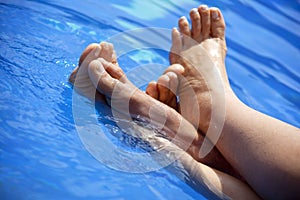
41	154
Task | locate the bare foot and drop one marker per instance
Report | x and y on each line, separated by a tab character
165	90
80	77
207	34
98	75
201	50
111	81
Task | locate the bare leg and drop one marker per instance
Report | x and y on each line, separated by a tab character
80	77
111	82
105	76
263	149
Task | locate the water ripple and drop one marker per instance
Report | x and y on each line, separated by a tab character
41	154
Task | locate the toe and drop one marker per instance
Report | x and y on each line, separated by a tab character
205	21
100	78
152	90
173	86
173	82
217	23
167	86
73	75
114	58
174	72
196	24
87	52
184	28
107	52
175	68
163	88
176	46
113	70
105	76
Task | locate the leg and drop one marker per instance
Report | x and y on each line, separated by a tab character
85	85
264	150
110	81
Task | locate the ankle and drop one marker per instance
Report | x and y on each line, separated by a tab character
218	111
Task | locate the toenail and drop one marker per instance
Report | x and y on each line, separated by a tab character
164	80
204	7
178	68
215	15
165	77
105	45
171	74
194	10
183	18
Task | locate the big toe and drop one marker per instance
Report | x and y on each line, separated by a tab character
100	78
87	51
90	53
167	88
217	23
151	90
108	52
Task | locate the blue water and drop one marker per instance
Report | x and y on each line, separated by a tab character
41	154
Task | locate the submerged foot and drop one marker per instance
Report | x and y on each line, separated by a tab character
111	81
95	73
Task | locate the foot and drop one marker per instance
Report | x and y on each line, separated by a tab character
207	34
80	77
111	81
201	51
165	90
